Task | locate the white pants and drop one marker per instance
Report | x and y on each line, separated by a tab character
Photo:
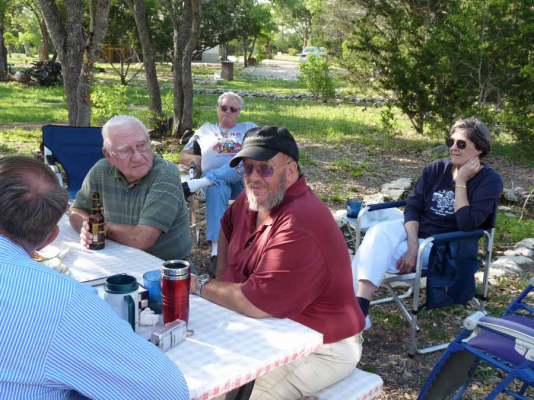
308	375
383	245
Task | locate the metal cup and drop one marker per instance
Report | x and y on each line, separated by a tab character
175	284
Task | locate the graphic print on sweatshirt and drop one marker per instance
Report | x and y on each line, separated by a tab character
443	203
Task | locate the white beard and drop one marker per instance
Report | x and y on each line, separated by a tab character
273	198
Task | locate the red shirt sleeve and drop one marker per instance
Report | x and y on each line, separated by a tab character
226	222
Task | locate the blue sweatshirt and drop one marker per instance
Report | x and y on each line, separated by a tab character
432	201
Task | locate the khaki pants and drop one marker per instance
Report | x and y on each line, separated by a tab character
308	375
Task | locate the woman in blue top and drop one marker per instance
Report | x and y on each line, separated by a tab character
457	193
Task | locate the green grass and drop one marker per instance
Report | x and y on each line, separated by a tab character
510	230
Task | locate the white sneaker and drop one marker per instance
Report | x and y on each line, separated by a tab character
367	323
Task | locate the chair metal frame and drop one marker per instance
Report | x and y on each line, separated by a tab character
522	336
414	279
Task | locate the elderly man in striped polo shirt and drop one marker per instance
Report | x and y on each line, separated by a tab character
56	335
142	194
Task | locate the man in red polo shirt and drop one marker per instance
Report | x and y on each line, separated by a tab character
281	254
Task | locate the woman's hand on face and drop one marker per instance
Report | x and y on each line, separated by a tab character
406	264
468	170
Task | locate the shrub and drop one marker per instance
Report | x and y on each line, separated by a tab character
292	52
316	77
107	102
261	55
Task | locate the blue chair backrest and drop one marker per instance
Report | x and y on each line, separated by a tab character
76	148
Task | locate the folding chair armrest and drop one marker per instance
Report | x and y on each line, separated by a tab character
523	335
458	235
390	204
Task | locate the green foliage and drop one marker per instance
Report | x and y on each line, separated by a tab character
261	54
510	230
107	102
446	60
286	41
292	52
316	77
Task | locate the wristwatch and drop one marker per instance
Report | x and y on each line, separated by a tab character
202	280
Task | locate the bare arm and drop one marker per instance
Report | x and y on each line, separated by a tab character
76	218
222	255
461	176
187	158
228	295
141	237
406	263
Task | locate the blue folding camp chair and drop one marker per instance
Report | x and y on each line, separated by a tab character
77	149
450	274
506	343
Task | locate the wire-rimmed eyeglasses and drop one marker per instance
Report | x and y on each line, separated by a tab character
128	152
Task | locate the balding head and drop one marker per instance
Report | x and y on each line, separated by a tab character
31	201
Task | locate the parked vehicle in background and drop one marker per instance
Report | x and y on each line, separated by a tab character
312	51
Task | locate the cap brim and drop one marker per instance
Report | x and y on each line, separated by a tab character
254	152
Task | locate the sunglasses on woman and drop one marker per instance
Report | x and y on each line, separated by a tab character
461	144
233	109
263	170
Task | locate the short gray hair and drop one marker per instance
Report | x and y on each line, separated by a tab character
120	120
476	131
31	200
231	96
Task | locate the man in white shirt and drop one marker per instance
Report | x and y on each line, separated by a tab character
211	148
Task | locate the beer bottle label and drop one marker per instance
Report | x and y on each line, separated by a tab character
98	233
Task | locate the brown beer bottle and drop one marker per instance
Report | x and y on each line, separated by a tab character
96	224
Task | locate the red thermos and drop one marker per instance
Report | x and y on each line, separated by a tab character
175	283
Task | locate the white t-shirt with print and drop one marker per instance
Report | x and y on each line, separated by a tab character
218	146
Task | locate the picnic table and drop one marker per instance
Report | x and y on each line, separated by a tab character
227	349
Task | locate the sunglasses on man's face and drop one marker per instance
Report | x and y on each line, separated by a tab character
461	144
232	109
263	170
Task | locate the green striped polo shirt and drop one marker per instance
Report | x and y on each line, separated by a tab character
156	200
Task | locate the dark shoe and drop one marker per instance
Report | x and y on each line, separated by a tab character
187	191
213	266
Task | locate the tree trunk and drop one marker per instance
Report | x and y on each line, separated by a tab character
224	55
186	32
154	95
70	44
26	49
187	79
252	48
3	49
245	57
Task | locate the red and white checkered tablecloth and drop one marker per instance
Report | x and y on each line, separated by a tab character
227	349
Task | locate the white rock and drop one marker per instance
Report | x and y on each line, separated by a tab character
520	251
505	208
401	183
393	194
507	264
373	199
528	243
521	261
511	215
156	145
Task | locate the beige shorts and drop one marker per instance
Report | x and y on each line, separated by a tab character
308	375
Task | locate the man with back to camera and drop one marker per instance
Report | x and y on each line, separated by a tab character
56	334
141	193
281	254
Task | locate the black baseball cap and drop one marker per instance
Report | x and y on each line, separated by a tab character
262	144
